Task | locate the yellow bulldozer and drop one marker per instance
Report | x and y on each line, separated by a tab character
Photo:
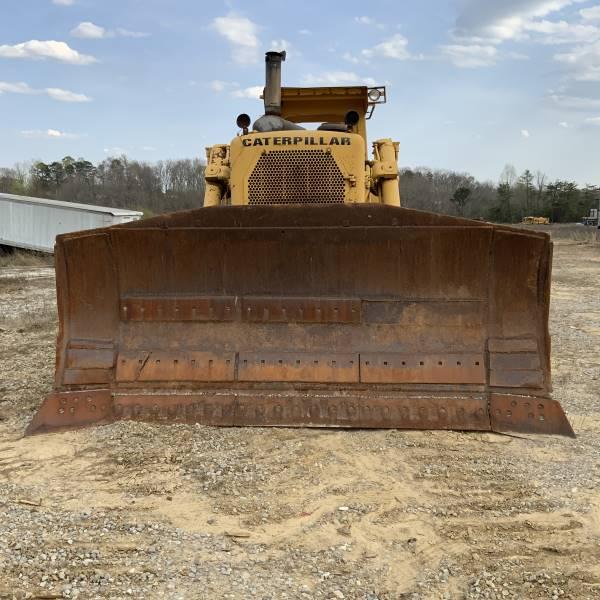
535	221
302	294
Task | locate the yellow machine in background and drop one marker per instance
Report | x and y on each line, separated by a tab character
535	221
279	162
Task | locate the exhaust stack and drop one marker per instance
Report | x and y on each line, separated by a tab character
272	95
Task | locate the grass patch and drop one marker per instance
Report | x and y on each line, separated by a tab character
41	319
586	235
11	284
567	231
18	283
24	258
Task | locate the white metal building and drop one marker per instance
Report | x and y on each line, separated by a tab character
34	223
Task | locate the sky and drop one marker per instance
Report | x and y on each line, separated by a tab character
472	84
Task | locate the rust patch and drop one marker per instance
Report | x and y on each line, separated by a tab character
298	366
517	378
86	376
69	410
301	310
520	361
310	409
253	309
179	308
528	414
90	358
513	345
175	366
422	368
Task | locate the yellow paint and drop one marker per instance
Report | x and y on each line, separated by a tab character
230	167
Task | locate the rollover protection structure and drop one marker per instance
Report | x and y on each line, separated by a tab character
303	295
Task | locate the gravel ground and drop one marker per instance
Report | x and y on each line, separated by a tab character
133	510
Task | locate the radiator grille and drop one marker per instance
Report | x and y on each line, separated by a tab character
296	177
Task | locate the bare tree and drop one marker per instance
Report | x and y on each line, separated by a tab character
540	184
508	175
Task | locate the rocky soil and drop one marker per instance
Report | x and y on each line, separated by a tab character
134	510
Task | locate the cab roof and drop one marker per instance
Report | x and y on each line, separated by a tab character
330	104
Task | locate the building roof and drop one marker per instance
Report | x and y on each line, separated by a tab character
120	212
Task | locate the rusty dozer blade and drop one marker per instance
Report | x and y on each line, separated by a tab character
335	316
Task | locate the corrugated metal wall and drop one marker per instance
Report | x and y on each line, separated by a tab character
35	225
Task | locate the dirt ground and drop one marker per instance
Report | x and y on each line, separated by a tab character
140	511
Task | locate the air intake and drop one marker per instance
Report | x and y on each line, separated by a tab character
296	177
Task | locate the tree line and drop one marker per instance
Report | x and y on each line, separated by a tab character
172	185
513	198
118	182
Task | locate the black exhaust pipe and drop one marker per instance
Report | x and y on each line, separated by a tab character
271	120
272	95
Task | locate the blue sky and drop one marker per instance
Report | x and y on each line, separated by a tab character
472	84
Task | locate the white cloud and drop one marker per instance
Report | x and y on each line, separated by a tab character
148	148
48	134
305	32
495	22
574	102
364	20
16	88
563	124
368	21
217	85
470	56
331	78
583	60
590	14
132	34
516	55
524	133
66	95
561	32
353	59
88	30
485	25
54	93
115	151
281	45
593	120
253	92
91	31
42	50
395	47
63	2
241	33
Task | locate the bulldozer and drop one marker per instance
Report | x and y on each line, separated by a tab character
302	294
535	221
